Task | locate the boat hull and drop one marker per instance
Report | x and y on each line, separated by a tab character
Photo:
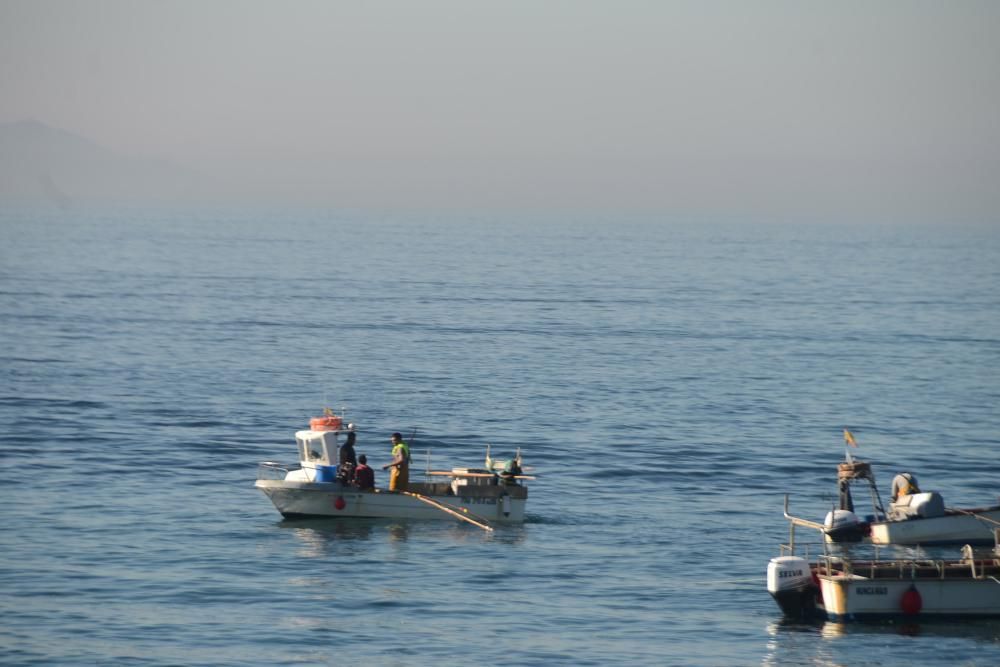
949	529
855	598
311	499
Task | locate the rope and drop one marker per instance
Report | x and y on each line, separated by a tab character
445	508
975	515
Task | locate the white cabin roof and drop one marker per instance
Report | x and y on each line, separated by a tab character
309	434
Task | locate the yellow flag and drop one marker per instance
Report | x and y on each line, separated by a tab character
849	438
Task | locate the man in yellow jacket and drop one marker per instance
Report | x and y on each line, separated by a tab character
399	478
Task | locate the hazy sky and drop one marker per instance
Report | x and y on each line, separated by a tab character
814	108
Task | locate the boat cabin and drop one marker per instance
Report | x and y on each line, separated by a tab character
318	454
319	447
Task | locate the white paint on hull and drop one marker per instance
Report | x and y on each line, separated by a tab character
950	529
852	596
318	499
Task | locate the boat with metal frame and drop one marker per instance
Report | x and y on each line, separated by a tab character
868	582
913	517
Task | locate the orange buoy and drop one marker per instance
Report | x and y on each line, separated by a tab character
328	423
911	603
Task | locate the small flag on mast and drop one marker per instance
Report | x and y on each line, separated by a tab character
849	438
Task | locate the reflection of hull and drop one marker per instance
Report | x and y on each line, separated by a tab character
854	597
948	529
501	504
800	604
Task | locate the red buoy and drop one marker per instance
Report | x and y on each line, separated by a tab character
340	503
911	603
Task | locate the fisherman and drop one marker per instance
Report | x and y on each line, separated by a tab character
904	484
364	477
399	478
510	470
348	460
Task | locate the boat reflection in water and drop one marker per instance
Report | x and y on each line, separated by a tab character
833	644
319	538
987	629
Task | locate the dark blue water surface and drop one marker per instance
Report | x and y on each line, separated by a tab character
669	382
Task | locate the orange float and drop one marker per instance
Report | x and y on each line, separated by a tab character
329	423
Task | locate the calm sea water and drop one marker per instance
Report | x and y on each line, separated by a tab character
668	382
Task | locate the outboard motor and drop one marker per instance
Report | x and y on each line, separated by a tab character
790	583
844	526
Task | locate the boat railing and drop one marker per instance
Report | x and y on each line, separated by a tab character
877	566
793	521
880	562
803	549
272	470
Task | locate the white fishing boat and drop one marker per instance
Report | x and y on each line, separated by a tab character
317	487
913	518
843	586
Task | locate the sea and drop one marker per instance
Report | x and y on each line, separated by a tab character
667	382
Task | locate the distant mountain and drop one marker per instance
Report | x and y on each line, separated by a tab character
42	164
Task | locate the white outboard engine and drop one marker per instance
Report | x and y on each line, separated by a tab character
844	526
790	583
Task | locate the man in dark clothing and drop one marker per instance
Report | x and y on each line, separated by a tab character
364	477
347	454
347	459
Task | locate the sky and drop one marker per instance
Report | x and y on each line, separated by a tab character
854	109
